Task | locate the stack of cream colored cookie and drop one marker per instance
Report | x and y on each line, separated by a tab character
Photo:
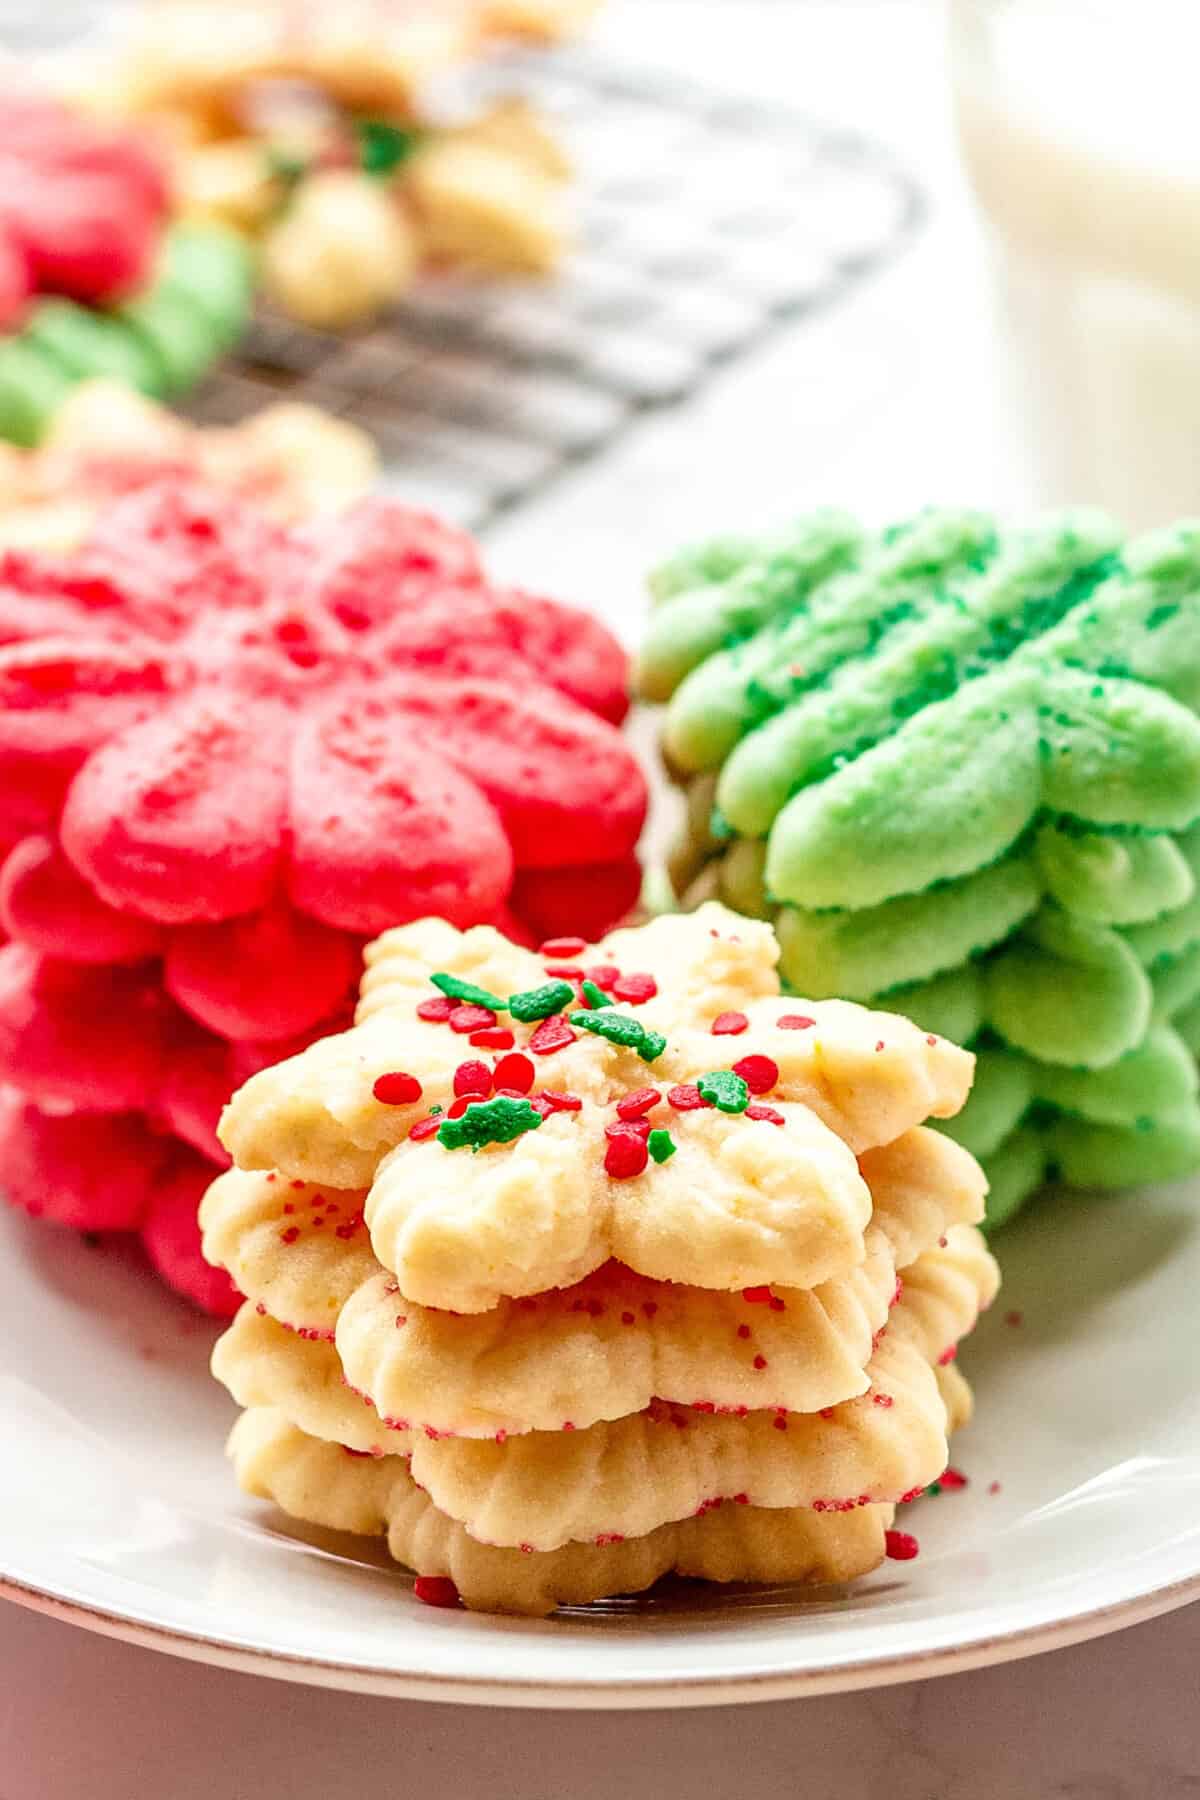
568	1270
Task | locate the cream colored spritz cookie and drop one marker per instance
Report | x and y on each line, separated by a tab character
319	1483
297	1251
610	1344
264	1364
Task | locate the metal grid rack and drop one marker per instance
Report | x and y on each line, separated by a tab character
706	222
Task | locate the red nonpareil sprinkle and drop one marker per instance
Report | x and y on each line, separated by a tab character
435	1590
758	1072
880	1044
289	1234
401	1321
780	1421
730	1024
993	1487
288	1206
743	1331
608	1537
760	1362
757	1296
626	1155
913	1493
492	1037
296	1184
437	1010
901	1546
634	989
604	975
778	1305
649	1307
470	1018
424	1128
952	1479
686	1097
562	948
552	1034
473	1078
826	1412
948	1355
564	971
515	1072
795	1022
628	1318
930	1039
640	1102
756	1110
1014	1318
882	1399
560	1102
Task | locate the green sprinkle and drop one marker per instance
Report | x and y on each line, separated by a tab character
436	1111
383	147
467	992
933	1490
595	997
489	1122
724	1090
540	1002
620	1028
661	1145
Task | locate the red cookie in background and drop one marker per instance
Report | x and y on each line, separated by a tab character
82	207
229	753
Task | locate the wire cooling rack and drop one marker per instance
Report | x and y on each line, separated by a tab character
705	222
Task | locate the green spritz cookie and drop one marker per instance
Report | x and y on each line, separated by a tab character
958	765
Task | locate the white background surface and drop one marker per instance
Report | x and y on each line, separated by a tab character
895	400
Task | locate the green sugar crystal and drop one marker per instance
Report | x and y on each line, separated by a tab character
539	1002
661	1145
489	1122
724	1090
466	992
620	1028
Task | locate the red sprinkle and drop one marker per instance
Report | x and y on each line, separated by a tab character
795	1022
516	1072
642	1100
627	1318
560	948
756	1110
604	975
626	1155
686	1097
760	1362
882	1399
931	1039
730	1024
438	1009
424	1128
564	971
397	1089
1014	1318
758	1072
492	1037
458	1107
473	1078
901	1546
290	1234
948	1355
743	1331
757	1296
552	1034
635	989
435	1590
952	1479
560	1102
639	1127
471	1018
993	1487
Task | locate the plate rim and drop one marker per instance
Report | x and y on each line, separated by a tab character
635	1692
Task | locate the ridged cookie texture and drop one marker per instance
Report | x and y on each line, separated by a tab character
958	766
571	1269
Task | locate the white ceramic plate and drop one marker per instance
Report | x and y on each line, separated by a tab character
117	1509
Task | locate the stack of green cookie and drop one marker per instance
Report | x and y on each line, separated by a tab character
960	766
161	341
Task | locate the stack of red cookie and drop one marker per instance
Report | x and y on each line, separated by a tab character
229	753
